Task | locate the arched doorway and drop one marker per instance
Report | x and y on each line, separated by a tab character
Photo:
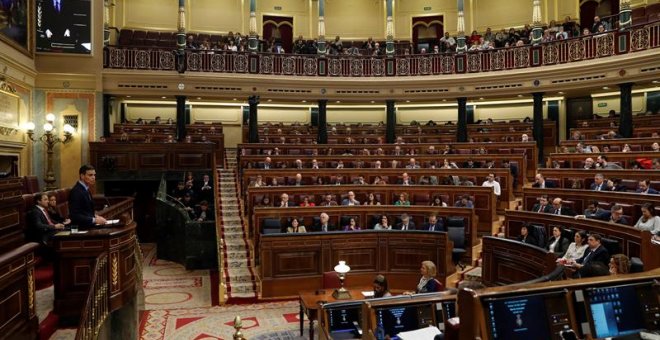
602	8
279	28
427	32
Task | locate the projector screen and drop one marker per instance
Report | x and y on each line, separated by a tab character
64	26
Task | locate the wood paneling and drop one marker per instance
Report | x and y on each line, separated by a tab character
509	261
152	156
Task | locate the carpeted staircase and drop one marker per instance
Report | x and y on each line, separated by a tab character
238	262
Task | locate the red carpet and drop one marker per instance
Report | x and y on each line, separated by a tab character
48	326
43	275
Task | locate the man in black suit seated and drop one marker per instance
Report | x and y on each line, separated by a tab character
540	182
284	201
594	253
40	225
324	224
434	224
203	212
559	209
644	187
526	236
599	183
615	215
594	211
542	206
81	204
405	180
406	223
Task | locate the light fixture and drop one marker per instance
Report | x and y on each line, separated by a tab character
199	98
50	139
129	96
656	81
606	88
372	102
520	96
270	100
164	97
560	92
339	101
304	101
407	101
341	293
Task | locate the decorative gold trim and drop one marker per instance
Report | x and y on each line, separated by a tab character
115	271
30	284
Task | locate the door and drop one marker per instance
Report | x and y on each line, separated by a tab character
280	29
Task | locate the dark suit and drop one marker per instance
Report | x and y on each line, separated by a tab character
38	229
81	207
55	216
58	20
410	182
546	208
600	254
529	239
288	204
210	216
317	228
546	185
438	226
602	187
411	226
564	211
649	191
560	248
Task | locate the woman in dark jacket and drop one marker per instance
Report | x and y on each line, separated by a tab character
557	244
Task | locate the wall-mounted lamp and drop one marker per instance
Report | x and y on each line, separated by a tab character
50	139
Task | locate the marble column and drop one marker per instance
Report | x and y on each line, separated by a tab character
181	27
460	29
253	42
461	126
322	137
181	118
625	15
253	120
625	118
538	125
389	28
390	127
537	30
106	22
321	48
107	111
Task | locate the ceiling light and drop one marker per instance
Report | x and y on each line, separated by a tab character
270	100
235	99
199	98
164	97
520	96
481	98
560	92
128	96
605	88
304	101
372	102
407	101
339	101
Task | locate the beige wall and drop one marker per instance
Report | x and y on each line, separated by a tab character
299	10
602	105
207	16
404	11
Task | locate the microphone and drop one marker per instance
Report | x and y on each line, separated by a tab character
107	202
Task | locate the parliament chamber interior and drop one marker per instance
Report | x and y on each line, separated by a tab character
329	169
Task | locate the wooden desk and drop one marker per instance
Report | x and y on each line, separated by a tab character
311	300
74	265
508	261
576	160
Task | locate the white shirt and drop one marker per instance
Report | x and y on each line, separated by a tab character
495	185
573	252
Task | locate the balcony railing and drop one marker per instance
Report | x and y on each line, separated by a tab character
639	38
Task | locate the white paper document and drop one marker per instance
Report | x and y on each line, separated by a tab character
111	222
427	333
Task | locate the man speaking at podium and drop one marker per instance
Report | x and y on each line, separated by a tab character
81	204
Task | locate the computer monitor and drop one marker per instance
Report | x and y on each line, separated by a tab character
534	316
622	309
404	318
444	310
341	318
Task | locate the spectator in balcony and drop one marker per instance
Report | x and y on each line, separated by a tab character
513	36
377	51
527	237
350	200
369	45
649	220
571	27
437	202
383	223
644	187
524	138
542	206
560	209
336	47
299	45
488	35
324	224
295	226
436	49
447	43
190	42
602	163
371	199
474	38
540	182
561	34
491	182
575	249
464	202
598	23
474	46
501	38
403	200
188	205
352	225
406	223
328	201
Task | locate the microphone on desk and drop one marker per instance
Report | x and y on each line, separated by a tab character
107	202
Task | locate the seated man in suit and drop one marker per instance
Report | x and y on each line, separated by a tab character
543	206
328	201
613	216
540	182
284	201
405	180
40	226
464	202
203	213
594	211
350	200
406	223
559	209
596	252
644	187
324	224
434	224
205	189
81	205
599	183
267	164
297	181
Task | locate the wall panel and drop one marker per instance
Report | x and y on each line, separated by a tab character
352	19
285	115
514	13
149	111
215	16
423	114
602	105
216	114
356	115
146	14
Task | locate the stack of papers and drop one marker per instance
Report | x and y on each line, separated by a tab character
427	333
111	222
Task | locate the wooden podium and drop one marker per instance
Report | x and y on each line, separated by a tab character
75	262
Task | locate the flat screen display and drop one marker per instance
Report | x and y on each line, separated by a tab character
538	316
622	310
404	318
341	319
64	26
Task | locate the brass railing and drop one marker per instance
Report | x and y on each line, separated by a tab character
221	242
96	308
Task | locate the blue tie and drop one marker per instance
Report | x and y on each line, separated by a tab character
57	5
